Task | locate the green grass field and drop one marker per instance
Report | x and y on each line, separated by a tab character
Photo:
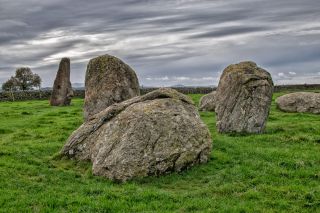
278	171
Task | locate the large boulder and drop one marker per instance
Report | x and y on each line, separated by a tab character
300	102
62	90
243	98
154	134
208	102
108	80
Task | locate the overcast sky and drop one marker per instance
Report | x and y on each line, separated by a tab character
167	42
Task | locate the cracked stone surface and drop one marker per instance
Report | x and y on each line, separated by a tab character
150	135
62	90
108	80
300	102
243	98
208	102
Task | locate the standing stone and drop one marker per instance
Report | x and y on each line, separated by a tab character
243	98
208	102
149	135
108	80
62	90
300	102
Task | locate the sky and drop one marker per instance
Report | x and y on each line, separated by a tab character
167	42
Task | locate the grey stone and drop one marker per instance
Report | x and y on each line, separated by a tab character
62	90
108	80
149	135
243	98
299	102
208	102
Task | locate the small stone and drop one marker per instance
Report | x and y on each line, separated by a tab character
207	102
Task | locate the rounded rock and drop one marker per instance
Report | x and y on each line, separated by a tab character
207	102
151	135
299	102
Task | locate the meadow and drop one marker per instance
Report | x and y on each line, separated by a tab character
278	171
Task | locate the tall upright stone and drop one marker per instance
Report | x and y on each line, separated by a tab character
108	80
62	90
243	98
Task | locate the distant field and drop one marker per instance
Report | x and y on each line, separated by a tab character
278	171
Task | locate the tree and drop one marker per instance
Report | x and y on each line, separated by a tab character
37	81
23	80
11	85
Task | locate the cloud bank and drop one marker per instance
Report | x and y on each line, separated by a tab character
167	42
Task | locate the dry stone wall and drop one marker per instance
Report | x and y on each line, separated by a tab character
79	93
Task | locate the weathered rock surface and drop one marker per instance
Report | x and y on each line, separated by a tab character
108	81
207	102
243	98
300	102
153	134
62	90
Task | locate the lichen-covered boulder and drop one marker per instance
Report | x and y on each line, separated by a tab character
299	102
150	135
62	90
243	98
207	102
108	80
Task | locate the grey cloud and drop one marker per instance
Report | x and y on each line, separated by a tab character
174	38
221	32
